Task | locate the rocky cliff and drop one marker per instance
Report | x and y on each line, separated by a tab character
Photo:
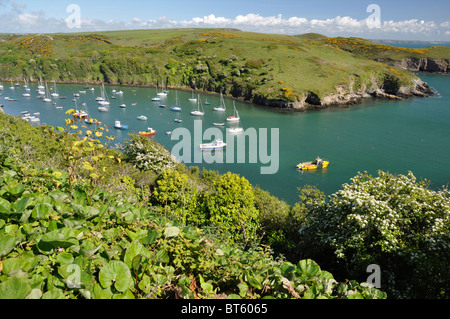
423	65
345	95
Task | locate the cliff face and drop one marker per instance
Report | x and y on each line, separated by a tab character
424	65
346	96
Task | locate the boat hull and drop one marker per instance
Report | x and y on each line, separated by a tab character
147	133
306	166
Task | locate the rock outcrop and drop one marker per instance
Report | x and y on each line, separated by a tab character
344	96
424	65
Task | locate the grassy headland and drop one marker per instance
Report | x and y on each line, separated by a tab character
277	70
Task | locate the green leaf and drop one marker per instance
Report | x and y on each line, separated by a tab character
14	288
171	232
7	243
308	268
54	294
89	212
91	252
151	237
56	239
243	288
116	273
135	249
65	258
34	294
21	205
162	256
41	211
254	280
15	189
59	196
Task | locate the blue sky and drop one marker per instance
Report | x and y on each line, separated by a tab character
403	20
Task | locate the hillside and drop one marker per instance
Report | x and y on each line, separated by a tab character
80	221
277	70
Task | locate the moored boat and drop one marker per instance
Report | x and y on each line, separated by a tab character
80	114
235	130
317	164
120	126
150	131
217	144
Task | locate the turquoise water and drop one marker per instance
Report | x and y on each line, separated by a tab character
395	136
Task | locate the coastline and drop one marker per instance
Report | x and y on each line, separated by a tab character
309	102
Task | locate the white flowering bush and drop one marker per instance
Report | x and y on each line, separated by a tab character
394	221
145	154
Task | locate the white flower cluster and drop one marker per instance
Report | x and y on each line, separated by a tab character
390	213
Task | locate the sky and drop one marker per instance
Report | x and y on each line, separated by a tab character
373	19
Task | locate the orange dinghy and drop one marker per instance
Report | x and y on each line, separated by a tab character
149	131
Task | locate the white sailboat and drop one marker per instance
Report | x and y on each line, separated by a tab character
221	107
156	98
80	113
235	117
235	130
193	99
47	98
176	108
163	92
218	144
198	112
103	100
41	84
55	92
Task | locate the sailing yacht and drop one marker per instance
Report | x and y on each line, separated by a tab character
193	99
47	97
163	92
55	93
176	108
221	107
156	98
234	130
41	84
235	117
103	100
198	112
80	113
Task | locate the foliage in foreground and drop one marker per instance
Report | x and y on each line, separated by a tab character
394	221
52	246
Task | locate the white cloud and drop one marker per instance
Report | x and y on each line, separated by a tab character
15	21
30	19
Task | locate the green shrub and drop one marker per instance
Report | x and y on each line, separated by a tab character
393	221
